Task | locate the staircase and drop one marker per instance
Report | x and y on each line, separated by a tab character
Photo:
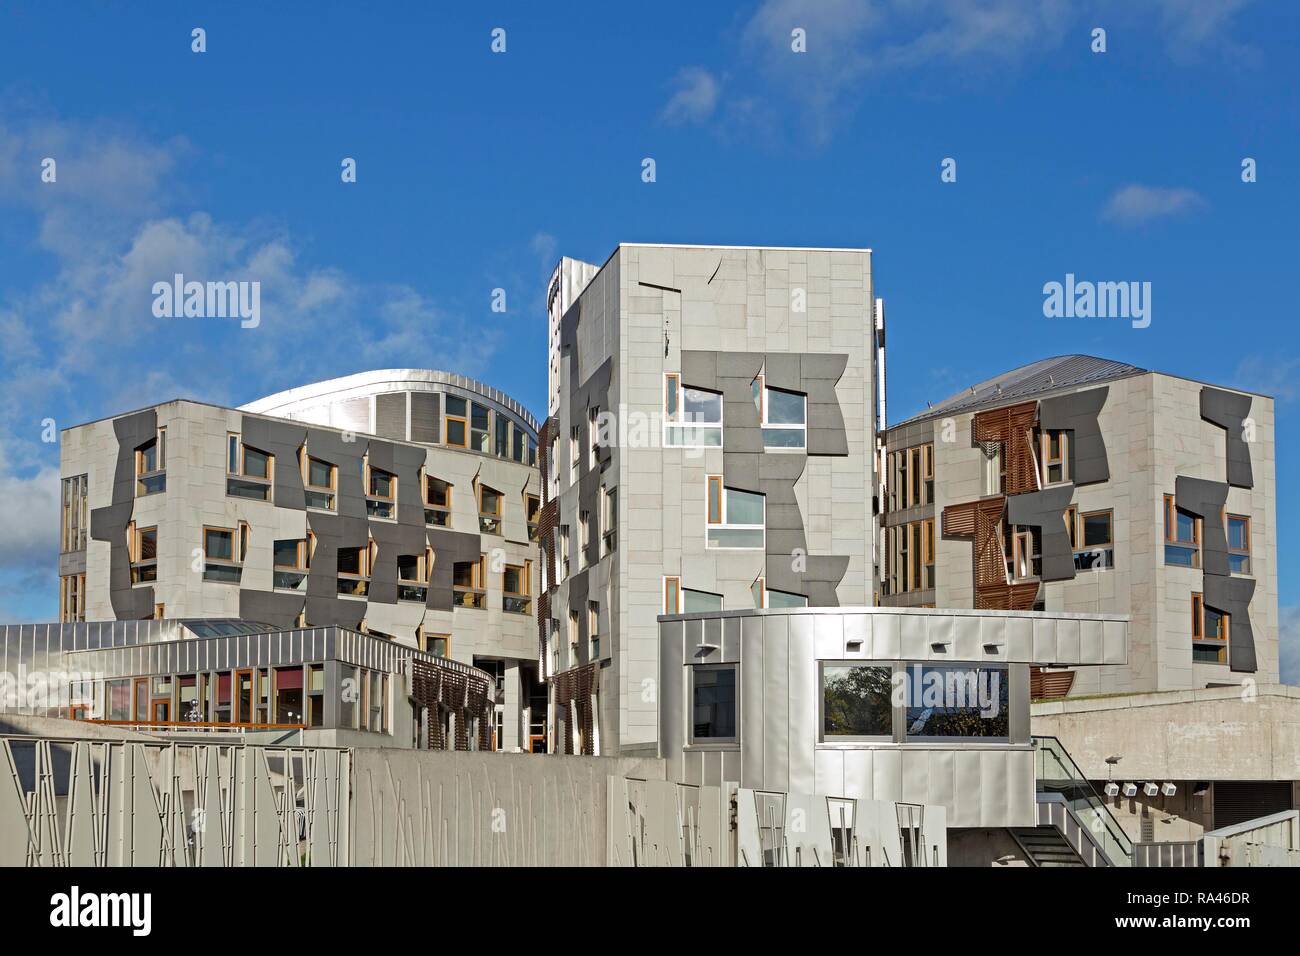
1046	846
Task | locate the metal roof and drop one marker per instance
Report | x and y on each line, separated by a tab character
1046	375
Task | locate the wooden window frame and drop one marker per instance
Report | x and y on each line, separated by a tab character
533	522
159	444
429	506
1083	517
593	630
1200	636
477	588
1071	516
714	500
716	515
462	419
306	458
72	611
1238	552
1171	530
608	522
672	594
672	387
1062	458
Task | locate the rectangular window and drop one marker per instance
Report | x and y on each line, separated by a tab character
1054	455
1238	528
1182	536
672	595
694	602
584	538
857	701
697	418
516	583
75	514
736	519
562	539
778	599
927	550
713	703
489	510
151	465
593	631
249	471
468	579
439	645
72	598
413	576
1210	628
532	514
1096	541
220	560
457	422
1022	547
573	637
608	520
575	458
478	427
354	566
968	701
381	491
502	445
593	438
1071	516
143	544
784	418
320	483
292	559
437	502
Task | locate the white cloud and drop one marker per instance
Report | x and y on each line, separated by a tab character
695	96
29	515
1288	639
1275	375
1136	204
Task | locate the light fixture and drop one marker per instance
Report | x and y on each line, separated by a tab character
1130	790
1168	789
1151	789
1112	790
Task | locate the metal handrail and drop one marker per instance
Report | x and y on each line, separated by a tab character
1122	844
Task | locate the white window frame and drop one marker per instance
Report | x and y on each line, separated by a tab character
693	427
725	525
765	402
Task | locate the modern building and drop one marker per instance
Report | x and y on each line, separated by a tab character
399	503
709	447
1081	484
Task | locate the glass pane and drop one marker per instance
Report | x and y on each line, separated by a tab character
218	544
256	463
785	599
956	701
148	545
286	554
1237	534
1186	527
319	499
693	601
1182	557
701	406
736	537
502	446
318	473
856	700
744	507
783	438
349	561
786	408
1096	530
455	432
381	483
455	406
1214	624
1239	563
713	712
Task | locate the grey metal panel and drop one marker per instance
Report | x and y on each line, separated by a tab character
1078	412
1206	500
1232	596
281	440
672	686
426	417
776	704
1045	510
752	700
1229	410
390	415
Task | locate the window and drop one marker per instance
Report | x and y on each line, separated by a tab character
1182	536
1209	633
696	601
502	444
248	471
1055	453
220	556
320	483
910	477
151	465
143	551
467	580
75	514
515	582
413	576
437	501
573	637
1238	527
553	471
288	695
593	437
956	701
489	510
909	557
292	559
532	514
692	416
584	538
1071	516
575	460
562	538
995	468
857	701
72	598
593	631
354	567
777	599
1022	547
457	422
713	703
735	517
315	695
478	427
783	416
439	645
608	520
381	491
1096	541
672	595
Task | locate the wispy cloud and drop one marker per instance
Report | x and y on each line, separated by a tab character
1274	375
1134	204
695	96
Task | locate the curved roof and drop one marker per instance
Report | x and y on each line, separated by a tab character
386	380
1045	375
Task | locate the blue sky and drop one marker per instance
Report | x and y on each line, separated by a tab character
476	170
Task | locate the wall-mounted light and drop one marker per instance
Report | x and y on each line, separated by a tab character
1168	789
1151	789
1130	789
1112	790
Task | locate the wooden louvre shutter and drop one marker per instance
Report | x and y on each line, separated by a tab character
1011	426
